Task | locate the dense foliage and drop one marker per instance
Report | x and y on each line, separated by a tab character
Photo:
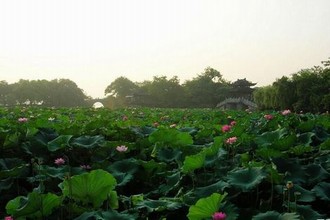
205	90
54	93
163	164
308	91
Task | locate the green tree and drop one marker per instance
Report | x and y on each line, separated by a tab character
285	93
65	93
207	89
265	97
121	88
4	92
163	92
119	91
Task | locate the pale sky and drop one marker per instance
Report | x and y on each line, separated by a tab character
93	42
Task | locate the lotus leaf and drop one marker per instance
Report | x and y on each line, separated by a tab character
316	173
123	170
35	205
60	142
113	215
171	137
246	179
88	141
322	190
93	187
273	215
193	162
206	207
306	212
205	191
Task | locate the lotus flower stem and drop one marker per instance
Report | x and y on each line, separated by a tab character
257	198
289	200
271	190
285	191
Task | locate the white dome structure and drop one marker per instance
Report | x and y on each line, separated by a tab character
98	105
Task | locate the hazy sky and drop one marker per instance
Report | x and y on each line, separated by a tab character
92	42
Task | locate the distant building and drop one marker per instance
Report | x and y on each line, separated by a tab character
241	96
237	104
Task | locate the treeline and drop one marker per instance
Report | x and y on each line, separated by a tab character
307	90
54	93
205	90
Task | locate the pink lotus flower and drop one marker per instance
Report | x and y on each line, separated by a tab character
59	161
268	117
286	112
226	128
9	218
232	123
231	140
121	148
219	216
23	120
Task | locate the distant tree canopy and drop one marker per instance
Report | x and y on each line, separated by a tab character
307	90
205	90
54	93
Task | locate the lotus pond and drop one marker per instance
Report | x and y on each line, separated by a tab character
163	164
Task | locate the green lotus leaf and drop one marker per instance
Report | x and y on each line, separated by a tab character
268	138
230	209
113	200
324	161
11	140
208	190
322	190
6	184
266	153
171	137
321	133
193	162
143	131
60	142
292	169
57	172
273	215
123	170
246	179
306	212
151	166
35	205
306	138
284	143
159	205
13	167
192	131
325	145
306	126
172	181
301	149
93	187
206	207
88	141
99	215
316	173
270	215
169	154
305	195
